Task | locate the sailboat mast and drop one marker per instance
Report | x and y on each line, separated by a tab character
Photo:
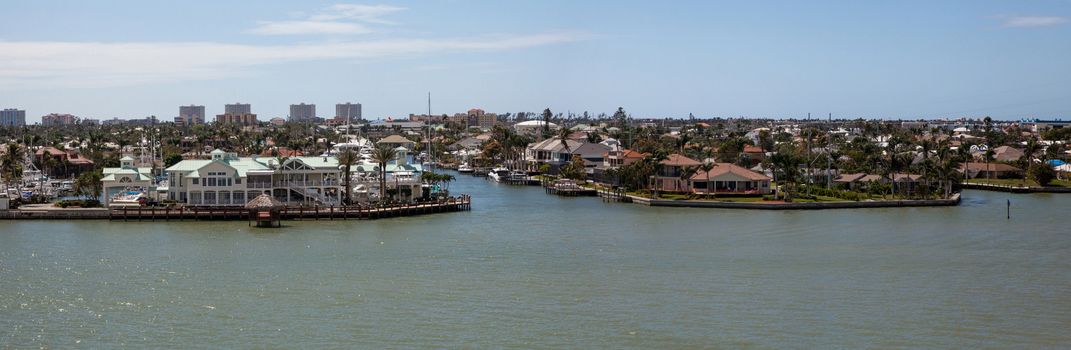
431	153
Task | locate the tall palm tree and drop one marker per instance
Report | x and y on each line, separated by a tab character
383	155
706	168
347	159
563	136
686	173
11	165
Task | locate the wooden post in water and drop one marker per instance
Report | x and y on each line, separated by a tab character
1009	209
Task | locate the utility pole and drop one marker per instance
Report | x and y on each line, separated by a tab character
829	154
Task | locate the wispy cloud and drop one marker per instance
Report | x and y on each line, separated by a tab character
335	19
39	64
1030	21
363	13
309	27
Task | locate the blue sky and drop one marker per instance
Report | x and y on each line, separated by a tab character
875	59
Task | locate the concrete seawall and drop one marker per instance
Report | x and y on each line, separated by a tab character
55	214
1016	189
797	206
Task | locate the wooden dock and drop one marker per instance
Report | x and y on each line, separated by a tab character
570	191
615	194
454	204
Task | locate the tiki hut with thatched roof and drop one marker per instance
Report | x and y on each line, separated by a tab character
266	211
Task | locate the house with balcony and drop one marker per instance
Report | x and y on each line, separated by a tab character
229	180
556	153
622	157
675	174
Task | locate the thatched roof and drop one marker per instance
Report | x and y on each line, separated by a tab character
264	201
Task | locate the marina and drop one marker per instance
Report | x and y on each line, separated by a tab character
607	274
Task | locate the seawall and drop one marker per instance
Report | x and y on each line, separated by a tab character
797	206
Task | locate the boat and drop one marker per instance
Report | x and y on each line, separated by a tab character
499	174
130	197
465	168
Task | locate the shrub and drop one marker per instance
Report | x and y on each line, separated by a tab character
1041	173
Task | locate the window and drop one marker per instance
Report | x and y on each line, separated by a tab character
210	182
238	181
195	180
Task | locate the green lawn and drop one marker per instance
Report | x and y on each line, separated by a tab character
1018	182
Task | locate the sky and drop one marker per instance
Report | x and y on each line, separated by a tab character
1008	59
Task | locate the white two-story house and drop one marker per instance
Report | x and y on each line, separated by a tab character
229	180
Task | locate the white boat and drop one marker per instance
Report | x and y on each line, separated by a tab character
465	168
130	197
498	174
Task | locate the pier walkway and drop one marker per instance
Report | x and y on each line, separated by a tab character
453	204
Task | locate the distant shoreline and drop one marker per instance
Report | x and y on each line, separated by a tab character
1015	189
798	206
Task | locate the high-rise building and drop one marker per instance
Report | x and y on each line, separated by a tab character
190	115
302	112
55	119
12	117
237	108
477	117
237	118
351	111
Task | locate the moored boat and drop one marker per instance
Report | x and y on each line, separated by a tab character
465	168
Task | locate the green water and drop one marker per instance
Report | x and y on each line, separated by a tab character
527	270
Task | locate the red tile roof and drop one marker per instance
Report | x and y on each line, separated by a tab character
729	168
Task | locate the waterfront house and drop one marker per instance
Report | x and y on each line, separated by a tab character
907	183
620	158
126	178
669	177
556	153
229	180
976	170
849	181
728	178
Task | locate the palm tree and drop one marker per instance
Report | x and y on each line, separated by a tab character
706	168
563	136
11	164
382	155
347	158
686	173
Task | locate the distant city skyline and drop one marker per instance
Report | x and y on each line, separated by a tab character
892	60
